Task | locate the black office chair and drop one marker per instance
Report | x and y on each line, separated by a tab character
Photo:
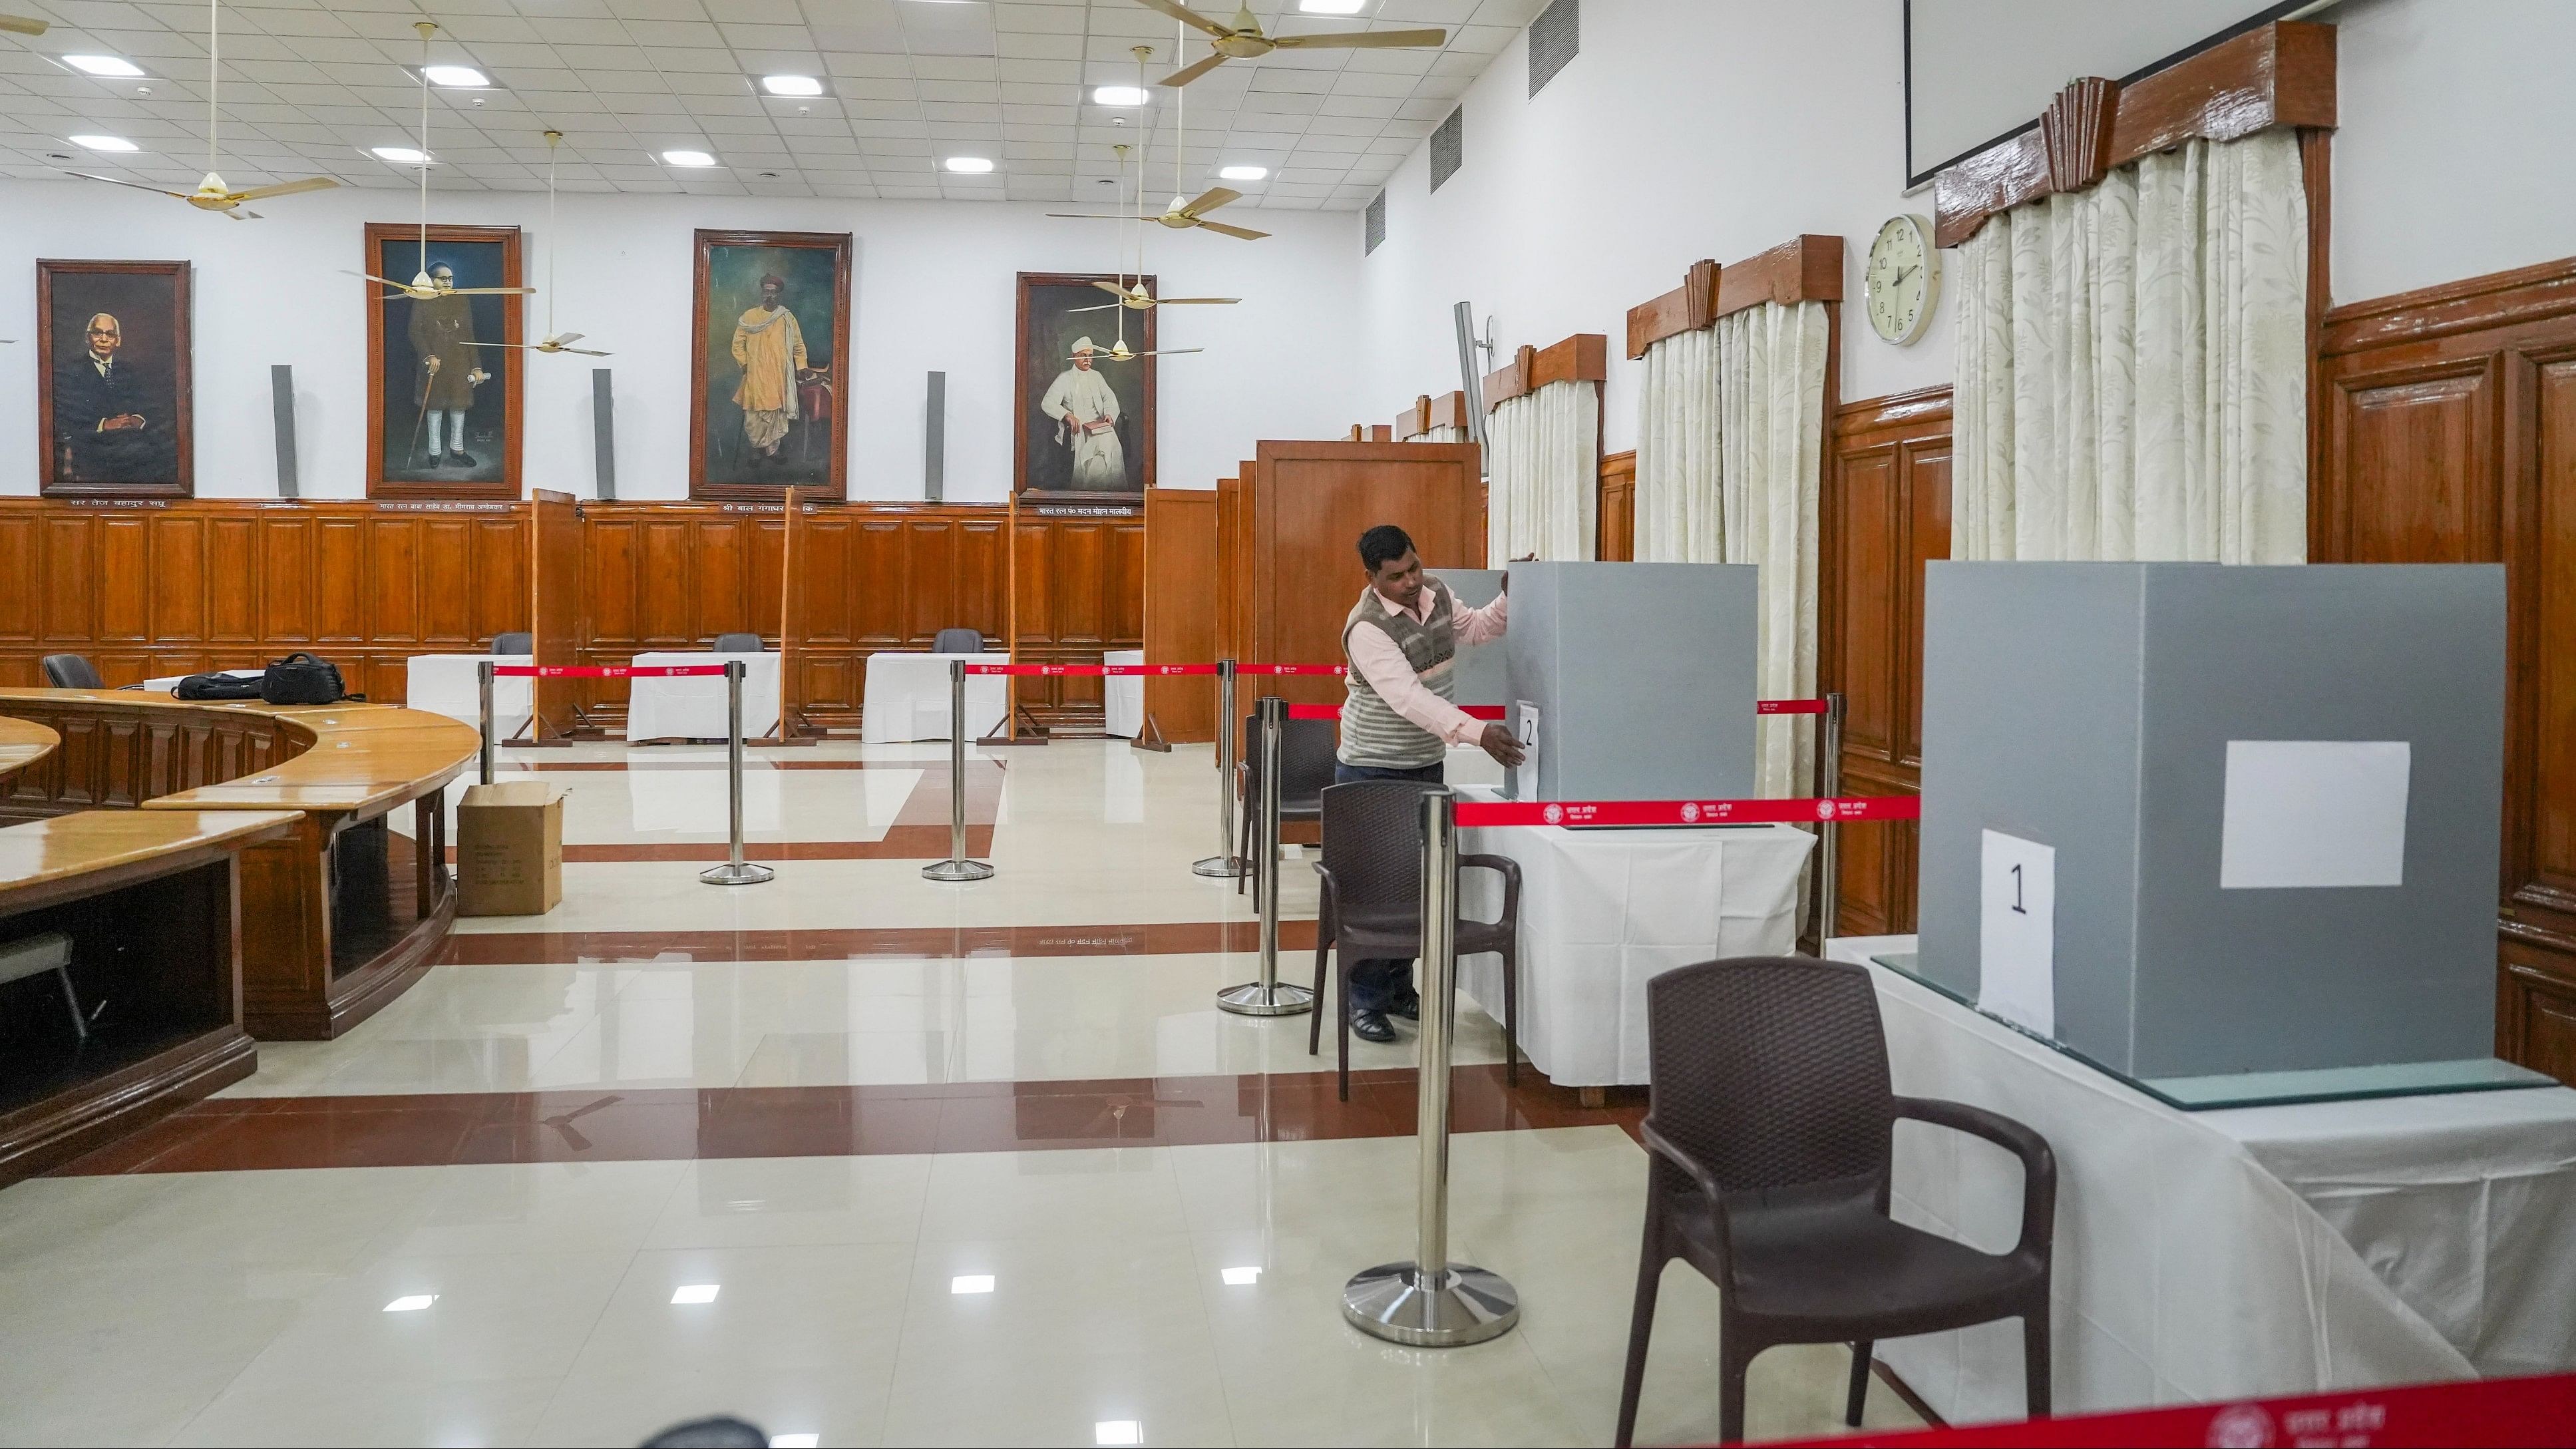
71	671
1771	1123
737	644
514	643
1371	909
958	641
1305	763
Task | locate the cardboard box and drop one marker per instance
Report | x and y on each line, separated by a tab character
509	849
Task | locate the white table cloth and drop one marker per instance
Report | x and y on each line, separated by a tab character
1123	696
451	684
1602	911
693	707
907	696
2235	1253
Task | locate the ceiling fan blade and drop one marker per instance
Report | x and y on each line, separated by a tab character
1074	215
1364	40
1189	73
1171	352
560	338
1103	307
1187	16
491	291
1112	288
137	185
372	277
1196	301
1223	230
22	25
586	352
286	188
527	346
1209	200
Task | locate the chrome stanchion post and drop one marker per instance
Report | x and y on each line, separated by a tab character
735	871
1268	996
484	670
957	867
1225	863
1829	853
1432	1302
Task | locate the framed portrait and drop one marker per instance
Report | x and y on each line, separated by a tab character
112	415
445	376
769	351
1085	423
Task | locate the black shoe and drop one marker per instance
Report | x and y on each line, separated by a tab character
1410	1008
460	457
1372	1026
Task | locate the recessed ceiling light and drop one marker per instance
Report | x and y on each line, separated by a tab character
696	1292
794	1441
1243	173
1118	95
1331	7
971	1283
399	155
103	65
104	143
1117	1431
462	77
1239	1277
411	1303
687	158
791	85
969	165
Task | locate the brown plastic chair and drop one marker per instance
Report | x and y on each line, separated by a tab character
1770	1123
1305	762
1372	904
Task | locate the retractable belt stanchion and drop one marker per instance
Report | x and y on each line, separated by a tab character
1829	853
1268	996
735	871
1432	1302
1225	863
957	867
484	671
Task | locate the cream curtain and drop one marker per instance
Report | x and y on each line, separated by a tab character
1678	511
2132	365
1542	473
1443	433
1770	443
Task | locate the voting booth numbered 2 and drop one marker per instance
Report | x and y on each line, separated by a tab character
2229	832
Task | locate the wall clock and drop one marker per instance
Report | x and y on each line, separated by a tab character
1903	278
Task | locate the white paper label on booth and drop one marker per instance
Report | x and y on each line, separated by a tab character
2314	813
2017	932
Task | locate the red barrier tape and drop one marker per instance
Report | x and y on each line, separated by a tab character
604	671
1289	669
1789	706
1090	670
2482	1412
1689	812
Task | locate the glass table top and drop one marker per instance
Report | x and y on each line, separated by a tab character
2275	1089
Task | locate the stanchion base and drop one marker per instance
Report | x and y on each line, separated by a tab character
1224	867
1394	1302
957	870
1277	999
731	874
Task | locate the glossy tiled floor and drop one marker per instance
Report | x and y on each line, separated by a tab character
946	1164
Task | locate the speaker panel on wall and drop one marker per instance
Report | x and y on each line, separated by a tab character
934	441
603	433
281	395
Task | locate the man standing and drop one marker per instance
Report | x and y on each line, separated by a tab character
771	350
1085	409
442	337
1401	641
107	429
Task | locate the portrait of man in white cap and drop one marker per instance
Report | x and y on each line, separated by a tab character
1085	410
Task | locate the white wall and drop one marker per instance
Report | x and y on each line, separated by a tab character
935	292
1685	129
2455	155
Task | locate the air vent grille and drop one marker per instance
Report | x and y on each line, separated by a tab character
1448	147
1555	37
1376	223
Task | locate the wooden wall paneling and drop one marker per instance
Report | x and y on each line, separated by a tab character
555	605
2449	435
1181	609
1615	529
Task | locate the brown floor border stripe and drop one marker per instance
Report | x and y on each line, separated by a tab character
665	1124
531	948
919	831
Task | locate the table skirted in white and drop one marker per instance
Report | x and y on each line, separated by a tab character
692	707
907	697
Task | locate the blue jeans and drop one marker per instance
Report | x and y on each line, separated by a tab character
1380	985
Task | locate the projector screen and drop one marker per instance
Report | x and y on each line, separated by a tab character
1977	71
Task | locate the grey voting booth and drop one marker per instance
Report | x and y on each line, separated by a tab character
2264	800
1483	675
1642	678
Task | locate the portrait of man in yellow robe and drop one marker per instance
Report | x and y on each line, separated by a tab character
771	324
770	349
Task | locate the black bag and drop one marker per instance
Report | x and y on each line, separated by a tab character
218	686
299	678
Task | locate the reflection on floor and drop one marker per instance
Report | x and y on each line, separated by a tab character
853	1155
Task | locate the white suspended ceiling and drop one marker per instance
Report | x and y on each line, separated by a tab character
309	86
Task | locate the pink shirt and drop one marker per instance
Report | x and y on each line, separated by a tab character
1379	661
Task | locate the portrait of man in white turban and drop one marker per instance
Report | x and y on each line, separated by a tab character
1085	410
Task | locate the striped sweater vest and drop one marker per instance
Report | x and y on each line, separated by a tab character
1372	732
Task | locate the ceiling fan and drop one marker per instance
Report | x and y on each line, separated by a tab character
212	194
555	341
1118	352
1181	214
22	25
1137	298
1243	39
420	288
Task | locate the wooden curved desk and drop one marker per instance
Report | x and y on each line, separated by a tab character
339	917
23	743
